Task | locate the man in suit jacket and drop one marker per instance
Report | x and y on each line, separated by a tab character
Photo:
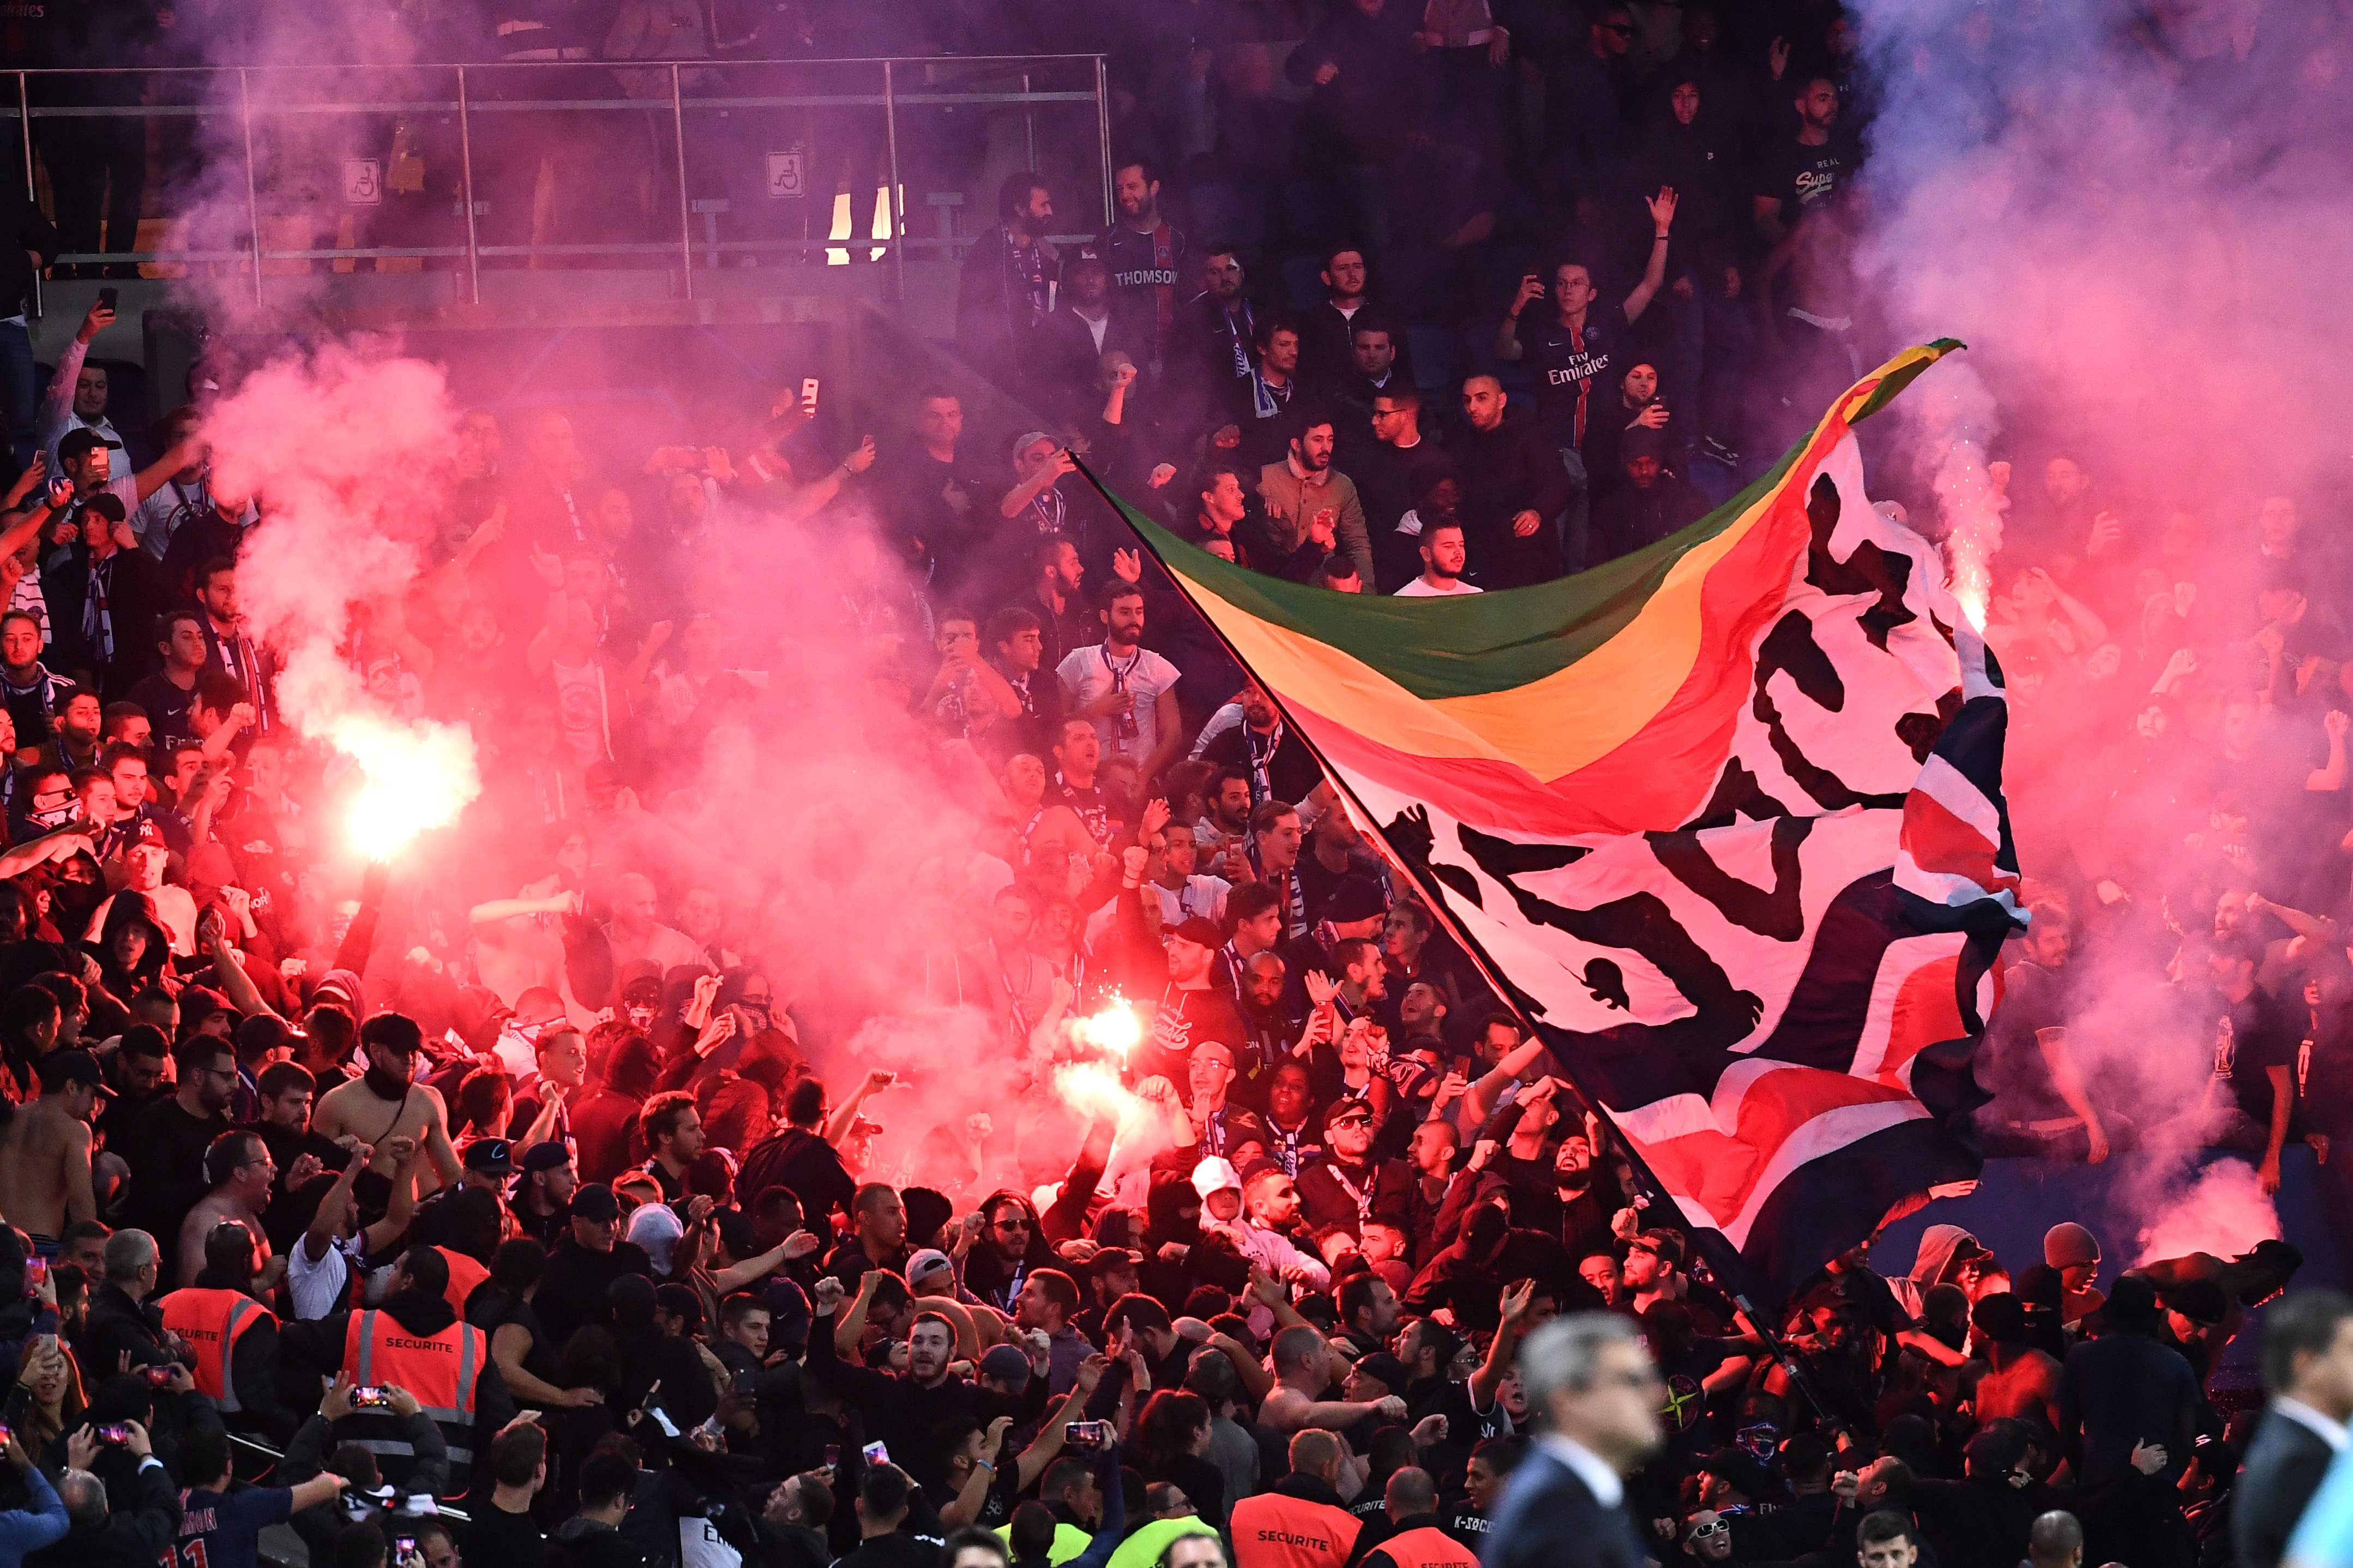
2307	1360
1599	1396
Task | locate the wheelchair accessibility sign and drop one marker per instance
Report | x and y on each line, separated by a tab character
362	182
787	178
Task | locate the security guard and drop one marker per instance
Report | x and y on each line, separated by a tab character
1415	1540
231	1337
1301	1523
415	1341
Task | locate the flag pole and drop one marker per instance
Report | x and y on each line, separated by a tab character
1730	1263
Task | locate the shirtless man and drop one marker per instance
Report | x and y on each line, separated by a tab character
387	1102
2011	1377
45	1182
240	1173
520	940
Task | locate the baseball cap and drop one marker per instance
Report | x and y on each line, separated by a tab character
491	1156
82	443
1386	1368
1031	438
1201	931
1355	899
930	1260
59	1068
1349	1108
1666	1244
1111	1260
593	1201
1216	1175
683	1300
1739	1469
547	1155
1006	1364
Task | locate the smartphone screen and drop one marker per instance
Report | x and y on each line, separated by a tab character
876	1454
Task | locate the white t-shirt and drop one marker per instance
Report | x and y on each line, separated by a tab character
1202	896
1087	674
1420	588
318	1288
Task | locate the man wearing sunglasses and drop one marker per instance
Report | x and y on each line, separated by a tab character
167	1144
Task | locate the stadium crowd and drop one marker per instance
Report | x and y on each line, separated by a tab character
531	1209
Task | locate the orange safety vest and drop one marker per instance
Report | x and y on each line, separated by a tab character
465	1274
210	1323
439	1371
1427	1546
1273	1531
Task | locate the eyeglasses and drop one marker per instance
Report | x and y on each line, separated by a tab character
1013	1224
1713	1527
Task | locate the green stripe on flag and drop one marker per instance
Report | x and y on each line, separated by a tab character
1480	643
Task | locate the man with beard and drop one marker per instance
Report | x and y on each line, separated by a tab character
1276	762
1226	827
1392	473
545	1180
910	1412
1348	1185
1444	557
1579	1214
1311	510
387	1102
1291	1116
1061	353
572	1293
1147	258
1326	335
165	1146
1266	402
1126	691
1513	486
2040	1105
285	1092
1193	1007
2255	1059
1647	506
1213	337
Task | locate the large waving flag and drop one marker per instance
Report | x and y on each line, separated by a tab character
1724	816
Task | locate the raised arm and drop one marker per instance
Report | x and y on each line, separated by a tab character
1654	272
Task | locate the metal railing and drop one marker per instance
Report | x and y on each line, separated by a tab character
482	136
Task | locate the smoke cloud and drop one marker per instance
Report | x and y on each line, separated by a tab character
2134	220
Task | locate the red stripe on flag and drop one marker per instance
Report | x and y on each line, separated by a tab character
1926	1013
1937	840
1719	1170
